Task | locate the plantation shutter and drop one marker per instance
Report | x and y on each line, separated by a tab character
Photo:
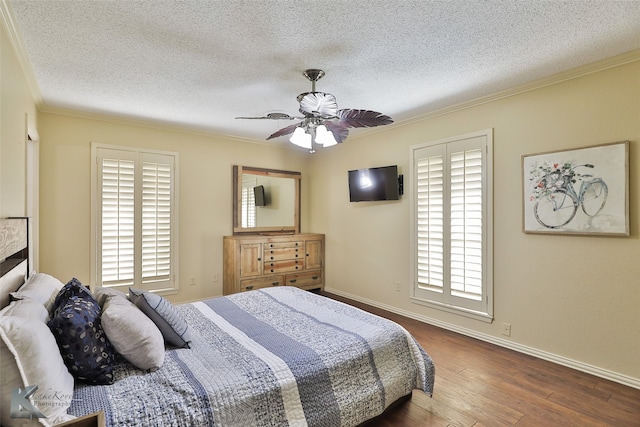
248	208
117	221
430	227
450	207
466	224
249	214
156	220
136	196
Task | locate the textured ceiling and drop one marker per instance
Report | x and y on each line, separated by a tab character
199	64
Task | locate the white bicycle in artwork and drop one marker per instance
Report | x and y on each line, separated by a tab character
557	200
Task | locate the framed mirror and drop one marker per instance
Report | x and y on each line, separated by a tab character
265	201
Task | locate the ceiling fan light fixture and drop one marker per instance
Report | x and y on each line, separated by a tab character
301	138
325	137
318	108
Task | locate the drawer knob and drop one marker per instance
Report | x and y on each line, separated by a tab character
315	277
275	283
292	281
249	287
259	259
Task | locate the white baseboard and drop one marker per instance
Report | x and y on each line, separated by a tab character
560	360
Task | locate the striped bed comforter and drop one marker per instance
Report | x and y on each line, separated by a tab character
272	357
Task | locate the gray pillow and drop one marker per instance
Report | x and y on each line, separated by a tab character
132	333
102	294
172	325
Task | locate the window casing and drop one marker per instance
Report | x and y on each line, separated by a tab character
134	218
451	242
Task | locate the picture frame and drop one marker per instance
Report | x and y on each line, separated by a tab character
583	191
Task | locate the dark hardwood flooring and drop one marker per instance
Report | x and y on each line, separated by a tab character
480	384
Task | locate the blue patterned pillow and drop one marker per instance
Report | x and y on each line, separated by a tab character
84	346
172	325
72	288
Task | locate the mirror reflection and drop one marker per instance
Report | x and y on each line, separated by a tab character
266	200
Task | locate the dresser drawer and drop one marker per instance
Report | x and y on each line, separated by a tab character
303	280
277	254
263	282
282	245
283	266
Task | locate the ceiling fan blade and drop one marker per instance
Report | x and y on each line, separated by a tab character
318	104
339	131
272	116
284	131
362	118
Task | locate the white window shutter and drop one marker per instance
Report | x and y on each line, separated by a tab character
117	221
430	223
136	231
156	221
451	224
466	224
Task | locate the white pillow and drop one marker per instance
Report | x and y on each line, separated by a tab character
40	287
132	333
29	356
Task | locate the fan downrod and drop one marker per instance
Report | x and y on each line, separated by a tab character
313	75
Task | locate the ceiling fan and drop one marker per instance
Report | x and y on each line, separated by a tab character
321	121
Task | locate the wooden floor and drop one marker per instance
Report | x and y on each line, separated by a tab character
480	384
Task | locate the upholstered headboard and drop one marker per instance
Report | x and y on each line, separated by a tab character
14	256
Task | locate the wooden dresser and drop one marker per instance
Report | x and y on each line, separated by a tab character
254	261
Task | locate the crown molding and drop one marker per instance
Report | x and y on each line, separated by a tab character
9	23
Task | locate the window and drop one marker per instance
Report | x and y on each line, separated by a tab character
452	224
135	218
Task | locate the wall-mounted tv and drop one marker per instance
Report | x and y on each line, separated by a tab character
373	184
259	196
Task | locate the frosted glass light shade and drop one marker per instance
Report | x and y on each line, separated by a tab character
301	138
324	136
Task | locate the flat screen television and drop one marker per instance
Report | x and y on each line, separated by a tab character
373	184
258	196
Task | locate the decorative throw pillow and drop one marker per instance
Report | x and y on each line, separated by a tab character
132	333
40	287
29	356
83	344
102	294
72	288
174	328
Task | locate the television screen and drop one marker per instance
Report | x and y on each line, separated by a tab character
366	185
258	195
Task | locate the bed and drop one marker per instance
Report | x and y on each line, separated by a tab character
275	357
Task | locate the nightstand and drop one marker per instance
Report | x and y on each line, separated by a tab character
92	420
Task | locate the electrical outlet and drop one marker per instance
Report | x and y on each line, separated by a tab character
214	277
506	329
192	280
398	286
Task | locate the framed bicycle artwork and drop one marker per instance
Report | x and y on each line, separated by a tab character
583	191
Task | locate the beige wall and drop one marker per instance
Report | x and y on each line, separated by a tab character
573	297
205	181
16	105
